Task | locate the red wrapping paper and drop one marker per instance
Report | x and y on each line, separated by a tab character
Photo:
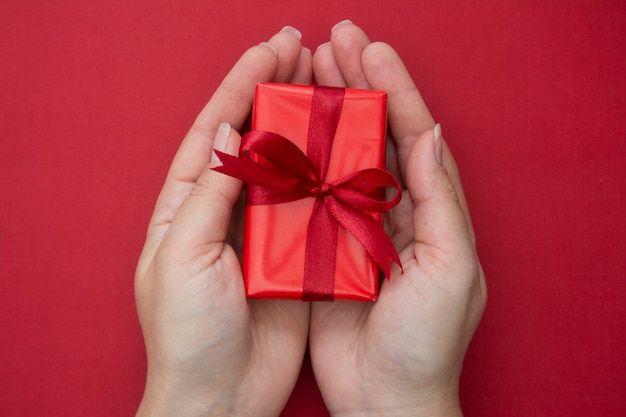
275	235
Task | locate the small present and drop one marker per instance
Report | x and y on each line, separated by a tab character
315	193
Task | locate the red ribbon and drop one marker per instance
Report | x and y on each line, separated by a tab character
277	171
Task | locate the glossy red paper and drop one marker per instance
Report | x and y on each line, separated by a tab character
275	235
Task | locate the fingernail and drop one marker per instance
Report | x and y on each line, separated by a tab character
270	47
438	144
220	141
323	44
343	22
306	49
295	32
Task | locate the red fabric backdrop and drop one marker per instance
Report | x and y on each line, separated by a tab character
95	97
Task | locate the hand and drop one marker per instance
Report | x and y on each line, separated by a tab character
403	354
210	351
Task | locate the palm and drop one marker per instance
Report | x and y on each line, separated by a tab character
255	346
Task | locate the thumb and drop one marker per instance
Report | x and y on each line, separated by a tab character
438	217
204	216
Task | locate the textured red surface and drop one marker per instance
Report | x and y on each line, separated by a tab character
96	96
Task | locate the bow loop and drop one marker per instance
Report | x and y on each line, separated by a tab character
364	189
278	151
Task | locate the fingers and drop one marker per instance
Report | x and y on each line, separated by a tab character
230	103
277	60
408	115
325	67
304	70
338	62
348	42
288	53
350	60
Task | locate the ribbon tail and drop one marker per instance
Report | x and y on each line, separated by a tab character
239	167
364	190
367	232
279	151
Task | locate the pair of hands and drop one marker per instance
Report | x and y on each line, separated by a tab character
213	352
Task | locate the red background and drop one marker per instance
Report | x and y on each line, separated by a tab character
96	96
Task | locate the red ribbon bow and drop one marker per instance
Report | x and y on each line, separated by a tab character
277	171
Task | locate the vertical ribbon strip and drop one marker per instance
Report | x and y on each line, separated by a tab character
277	171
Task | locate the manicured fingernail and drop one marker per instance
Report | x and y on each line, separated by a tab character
304	48
343	22
270	47
295	32
221	140
438	144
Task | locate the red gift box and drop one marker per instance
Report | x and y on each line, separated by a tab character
279	231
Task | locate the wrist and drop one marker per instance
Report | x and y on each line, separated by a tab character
445	410
395	411
166	398
444	403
